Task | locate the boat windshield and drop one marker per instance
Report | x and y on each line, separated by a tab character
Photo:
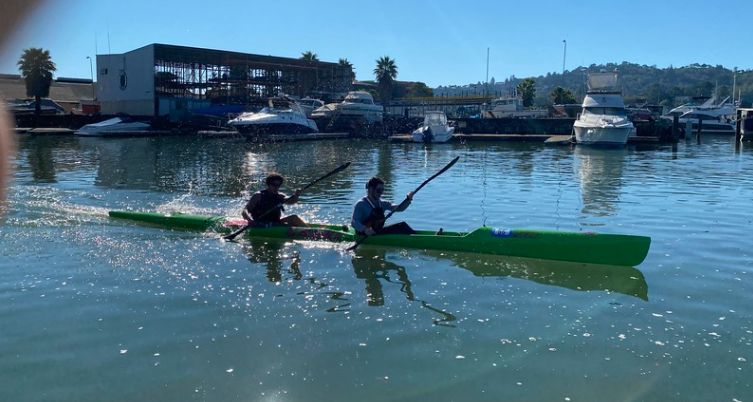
435	119
611	111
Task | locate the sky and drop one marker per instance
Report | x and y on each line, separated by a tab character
437	42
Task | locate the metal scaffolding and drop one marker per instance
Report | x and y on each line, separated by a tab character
240	78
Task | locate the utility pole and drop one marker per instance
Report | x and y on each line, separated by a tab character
734	83
564	55
486	85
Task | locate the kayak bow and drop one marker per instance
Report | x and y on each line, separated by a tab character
583	247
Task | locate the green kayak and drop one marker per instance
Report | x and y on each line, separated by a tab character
584	247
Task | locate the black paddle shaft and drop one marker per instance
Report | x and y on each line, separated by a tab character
444	169
340	168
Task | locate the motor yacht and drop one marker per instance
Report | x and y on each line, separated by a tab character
715	118
434	129
309	105
358	105
282	116
603	119
117	126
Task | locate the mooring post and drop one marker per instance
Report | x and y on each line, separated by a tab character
675	126
698	132
738	126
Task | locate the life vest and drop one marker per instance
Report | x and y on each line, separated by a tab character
263	212
375	219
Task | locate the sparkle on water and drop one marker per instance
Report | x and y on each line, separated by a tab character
96	309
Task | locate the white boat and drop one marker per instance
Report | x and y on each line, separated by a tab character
117	126
309	105
715	118
282	116
357	105
507	107
603	119
434	129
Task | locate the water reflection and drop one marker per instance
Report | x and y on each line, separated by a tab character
582	277
222	167
273	256
600	173
372	266
47	155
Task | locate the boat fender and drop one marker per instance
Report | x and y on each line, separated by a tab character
496	232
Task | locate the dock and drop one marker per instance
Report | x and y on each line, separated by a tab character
545	138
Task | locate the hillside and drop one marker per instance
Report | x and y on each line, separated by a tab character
667	86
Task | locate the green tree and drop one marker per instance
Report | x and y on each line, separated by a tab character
527	91
419	90
561	96
385	72
309	56
36	68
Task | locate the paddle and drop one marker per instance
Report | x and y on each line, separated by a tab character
444	169
235	234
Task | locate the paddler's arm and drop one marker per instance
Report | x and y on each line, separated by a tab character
293	198
360	213
403	205
250	205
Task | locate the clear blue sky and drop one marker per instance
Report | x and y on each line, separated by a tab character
438	42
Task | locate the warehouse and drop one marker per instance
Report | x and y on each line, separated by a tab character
169	80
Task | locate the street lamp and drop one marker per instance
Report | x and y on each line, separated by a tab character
91	74
564	55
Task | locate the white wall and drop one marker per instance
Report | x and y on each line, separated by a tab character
125	82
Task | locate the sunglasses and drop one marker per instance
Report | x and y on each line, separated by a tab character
379	190
275	184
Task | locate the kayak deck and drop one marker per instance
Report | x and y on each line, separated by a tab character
583	247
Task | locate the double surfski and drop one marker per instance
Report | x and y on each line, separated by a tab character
582	247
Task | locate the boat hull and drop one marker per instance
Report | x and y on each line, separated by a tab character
592	248
274	129
612	136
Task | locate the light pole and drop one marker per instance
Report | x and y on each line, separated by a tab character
564	55
734	84
91	74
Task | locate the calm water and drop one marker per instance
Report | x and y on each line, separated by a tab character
99	310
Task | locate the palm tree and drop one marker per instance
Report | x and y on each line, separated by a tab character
36	68
347	64
527	91
385	72
309	56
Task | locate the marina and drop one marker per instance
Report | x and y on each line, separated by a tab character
375	201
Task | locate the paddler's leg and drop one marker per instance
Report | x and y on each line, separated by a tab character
397	228
293	220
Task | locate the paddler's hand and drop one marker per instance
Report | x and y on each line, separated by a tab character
369	232
409	196
294	198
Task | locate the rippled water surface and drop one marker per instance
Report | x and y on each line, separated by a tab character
94	309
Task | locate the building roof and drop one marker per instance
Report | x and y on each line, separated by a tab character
12	86
213	56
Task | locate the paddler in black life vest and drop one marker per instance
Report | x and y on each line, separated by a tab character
368	214
265	207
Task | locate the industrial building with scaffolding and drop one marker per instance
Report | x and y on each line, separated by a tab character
160	80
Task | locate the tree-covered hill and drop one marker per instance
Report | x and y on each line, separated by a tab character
667	86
